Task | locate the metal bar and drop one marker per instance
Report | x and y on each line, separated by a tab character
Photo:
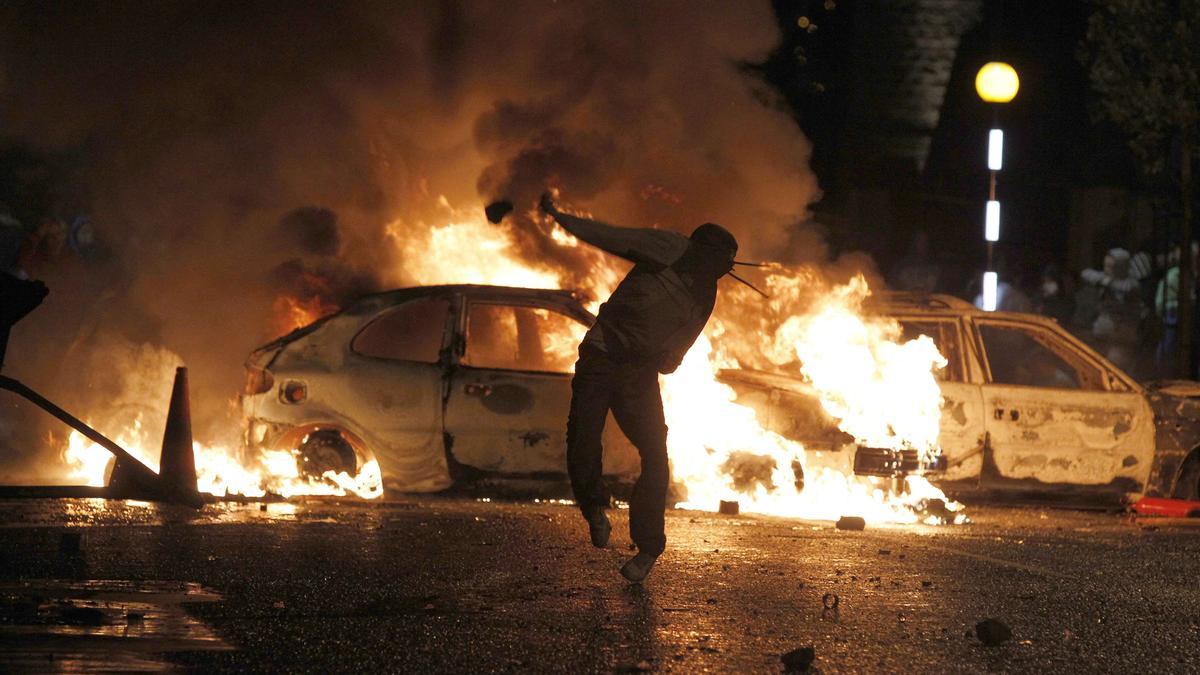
138	470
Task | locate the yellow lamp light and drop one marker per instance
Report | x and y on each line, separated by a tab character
997	82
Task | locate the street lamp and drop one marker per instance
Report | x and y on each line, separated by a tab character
995	82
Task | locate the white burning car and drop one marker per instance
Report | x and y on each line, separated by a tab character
439	383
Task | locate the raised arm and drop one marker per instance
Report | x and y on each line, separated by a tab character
637	245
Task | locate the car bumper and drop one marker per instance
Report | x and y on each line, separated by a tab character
886	462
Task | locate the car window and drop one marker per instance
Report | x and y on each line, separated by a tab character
945	336
411	332
1029	356
509	337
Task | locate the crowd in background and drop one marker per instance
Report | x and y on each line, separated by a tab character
1127	307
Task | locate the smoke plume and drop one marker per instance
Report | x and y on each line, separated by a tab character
225	153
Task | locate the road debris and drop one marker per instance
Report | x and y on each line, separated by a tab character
798	660
992	632
851	523
831	607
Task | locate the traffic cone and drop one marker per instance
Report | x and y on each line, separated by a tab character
177	463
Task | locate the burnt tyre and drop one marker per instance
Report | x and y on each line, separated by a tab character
1188	485
326	450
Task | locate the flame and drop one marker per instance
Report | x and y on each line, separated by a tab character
882	392
466	249
879	390
292	312
219	469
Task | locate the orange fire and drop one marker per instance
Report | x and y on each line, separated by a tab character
291	312
881	391
220	471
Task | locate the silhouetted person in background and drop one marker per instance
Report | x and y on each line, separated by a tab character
648	324
19	295
1109	309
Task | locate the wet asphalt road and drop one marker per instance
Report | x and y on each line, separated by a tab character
441	585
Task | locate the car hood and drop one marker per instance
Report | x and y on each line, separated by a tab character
1178	388
765	380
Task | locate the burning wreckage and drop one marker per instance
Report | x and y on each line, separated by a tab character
446	382
823	401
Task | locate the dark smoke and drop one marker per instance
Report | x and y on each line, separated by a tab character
313	229
749	472
227	151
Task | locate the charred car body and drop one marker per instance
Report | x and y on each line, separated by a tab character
442	382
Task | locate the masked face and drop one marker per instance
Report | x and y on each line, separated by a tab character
718	260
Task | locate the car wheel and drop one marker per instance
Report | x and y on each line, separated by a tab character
1188	485
326	450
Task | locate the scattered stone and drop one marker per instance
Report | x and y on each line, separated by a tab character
798	660
496	211
926	583
729	508
992	632
851	523
936	508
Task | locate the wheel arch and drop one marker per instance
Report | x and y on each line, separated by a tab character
294	437
1185	484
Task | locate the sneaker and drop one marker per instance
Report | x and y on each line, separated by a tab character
598	527
638	567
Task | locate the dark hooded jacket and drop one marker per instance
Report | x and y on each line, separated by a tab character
659	308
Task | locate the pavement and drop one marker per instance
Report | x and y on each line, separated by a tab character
465	585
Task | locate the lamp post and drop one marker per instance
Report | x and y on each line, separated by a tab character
995	83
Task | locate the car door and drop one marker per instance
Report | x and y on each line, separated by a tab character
1058	415
508	397
389	390
962	424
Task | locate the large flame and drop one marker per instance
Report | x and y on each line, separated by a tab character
220	470
880	390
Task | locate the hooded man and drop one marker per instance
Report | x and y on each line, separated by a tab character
648	324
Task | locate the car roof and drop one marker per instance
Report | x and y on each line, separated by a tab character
476	290
898	300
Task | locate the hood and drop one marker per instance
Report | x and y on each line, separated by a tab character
1180	388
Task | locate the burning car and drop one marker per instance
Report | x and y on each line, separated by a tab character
435	383
1030	410
439	383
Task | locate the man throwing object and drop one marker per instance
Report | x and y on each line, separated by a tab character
648	324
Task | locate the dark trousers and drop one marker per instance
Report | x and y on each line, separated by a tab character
631	392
